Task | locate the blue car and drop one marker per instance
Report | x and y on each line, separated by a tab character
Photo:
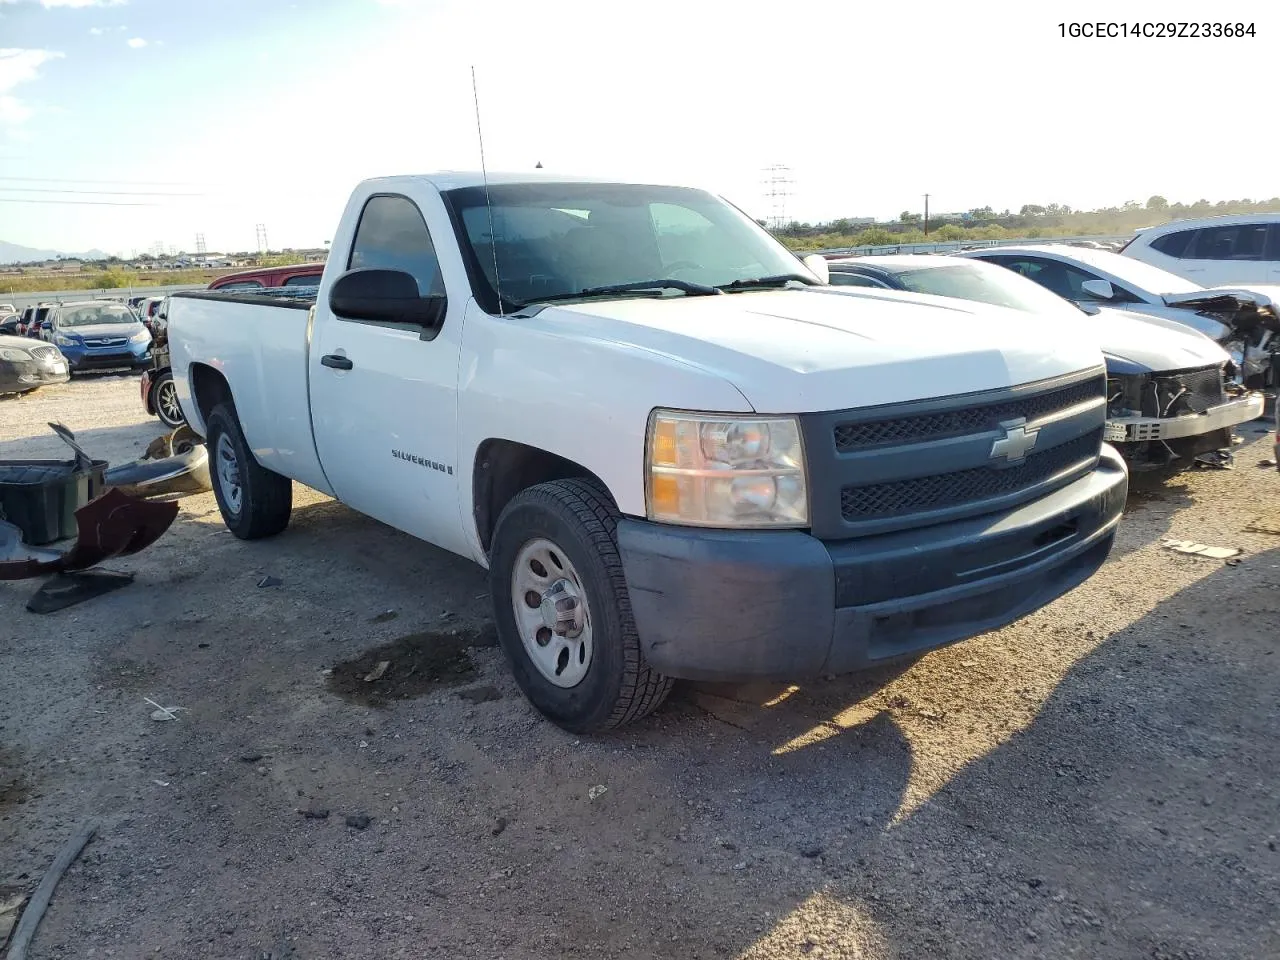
98	335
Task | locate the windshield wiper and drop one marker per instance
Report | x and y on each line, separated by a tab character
777	281
685	286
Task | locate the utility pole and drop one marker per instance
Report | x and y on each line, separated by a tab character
778	184
200	246
926	214
262	238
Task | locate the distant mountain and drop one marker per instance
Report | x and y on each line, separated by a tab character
16	253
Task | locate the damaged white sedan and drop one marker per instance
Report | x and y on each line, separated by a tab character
1245	321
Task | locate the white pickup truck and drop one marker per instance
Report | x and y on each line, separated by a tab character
674	458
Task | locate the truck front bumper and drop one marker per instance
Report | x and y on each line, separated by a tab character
782	605
1138	429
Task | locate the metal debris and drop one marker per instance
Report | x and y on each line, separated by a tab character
378	670
1195	548
162	713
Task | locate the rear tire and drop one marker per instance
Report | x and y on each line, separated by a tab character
255	502
555	548
164	400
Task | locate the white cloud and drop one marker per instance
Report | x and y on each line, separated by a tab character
137	43
18	65
97	31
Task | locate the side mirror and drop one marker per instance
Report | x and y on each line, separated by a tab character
817	263
384	296
1101	289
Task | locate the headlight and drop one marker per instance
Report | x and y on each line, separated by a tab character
14	354
140	336
716	470
62	341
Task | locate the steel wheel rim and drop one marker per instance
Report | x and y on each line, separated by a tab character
228	471
552	614
167	402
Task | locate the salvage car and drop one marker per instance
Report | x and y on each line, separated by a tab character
26	366
267	278
99	335
9	326
1168	398
1245	321
673	461
1238	248
159	396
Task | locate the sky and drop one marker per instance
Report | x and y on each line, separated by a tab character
136	121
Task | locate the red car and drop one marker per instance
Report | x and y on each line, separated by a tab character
295	275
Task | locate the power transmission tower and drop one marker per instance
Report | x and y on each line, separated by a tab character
200	247
777	186
262	238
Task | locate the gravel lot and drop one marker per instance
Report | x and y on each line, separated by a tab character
1098	780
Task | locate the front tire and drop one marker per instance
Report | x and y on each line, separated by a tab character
255	502
164	400
563	612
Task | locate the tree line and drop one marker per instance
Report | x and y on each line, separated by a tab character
1031	221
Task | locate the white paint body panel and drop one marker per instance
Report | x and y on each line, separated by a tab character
261	351
579	380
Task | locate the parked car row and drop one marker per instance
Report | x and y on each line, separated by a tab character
1170	399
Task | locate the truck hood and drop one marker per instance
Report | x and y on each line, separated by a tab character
1152	343
791	351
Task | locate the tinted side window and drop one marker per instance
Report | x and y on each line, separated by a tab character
241	285
392	235
1246	241
1173	244
306	280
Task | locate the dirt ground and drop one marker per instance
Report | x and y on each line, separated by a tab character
1098	780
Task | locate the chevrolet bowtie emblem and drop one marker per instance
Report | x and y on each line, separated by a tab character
1016	442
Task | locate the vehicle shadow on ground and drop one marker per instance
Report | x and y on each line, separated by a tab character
1133	816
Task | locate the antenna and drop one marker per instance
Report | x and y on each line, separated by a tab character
484	174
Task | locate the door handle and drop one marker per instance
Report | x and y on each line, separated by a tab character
337	362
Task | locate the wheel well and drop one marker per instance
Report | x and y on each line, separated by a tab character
503	468
209	388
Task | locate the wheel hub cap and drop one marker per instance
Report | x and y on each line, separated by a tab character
552	613
228	470
561	609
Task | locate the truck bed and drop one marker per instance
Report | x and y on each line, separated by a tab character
259	341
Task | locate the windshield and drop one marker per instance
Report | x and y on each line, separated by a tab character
985	283
97	313
558	239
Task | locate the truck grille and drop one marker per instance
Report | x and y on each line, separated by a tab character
906	465
966	486
854	436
